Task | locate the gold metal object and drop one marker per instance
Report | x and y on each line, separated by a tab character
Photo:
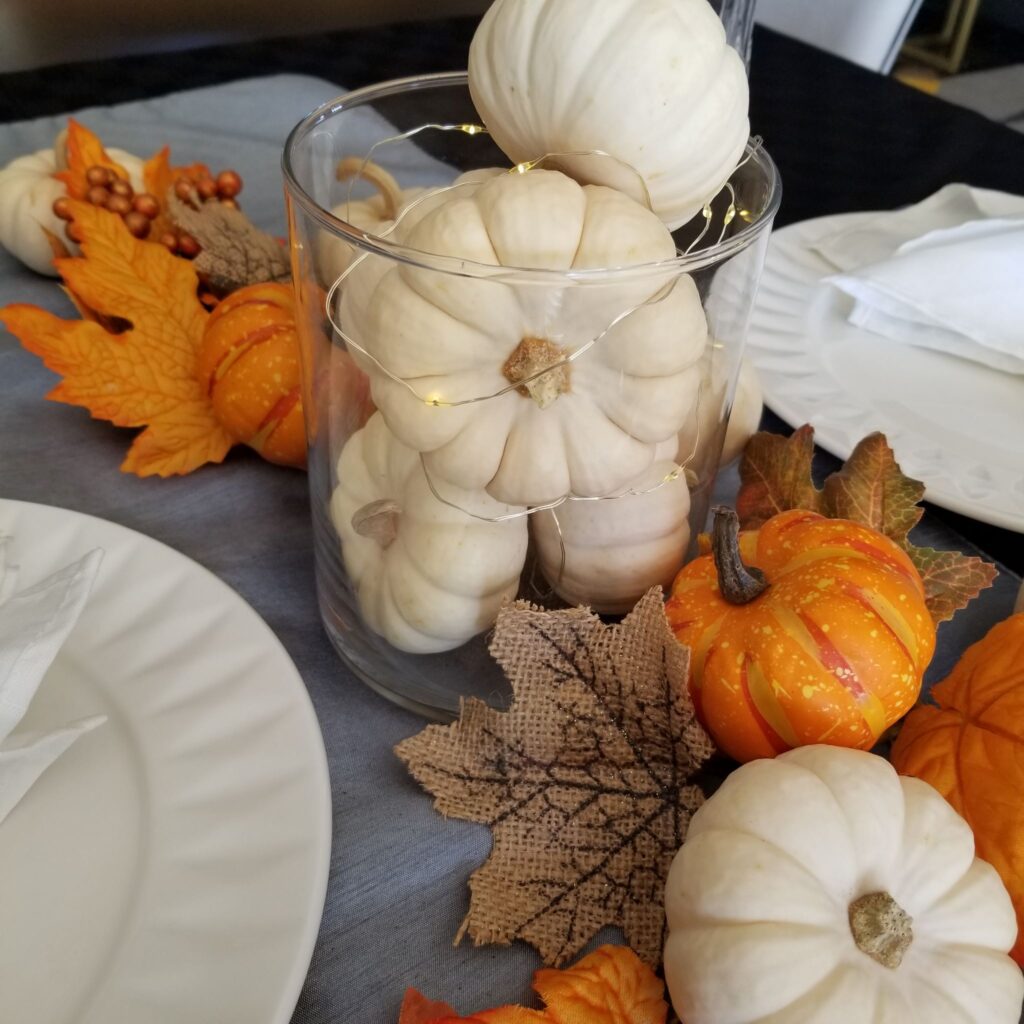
946	49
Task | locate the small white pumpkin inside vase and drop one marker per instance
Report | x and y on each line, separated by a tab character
622	90
822	888
608	552
532	386
429	572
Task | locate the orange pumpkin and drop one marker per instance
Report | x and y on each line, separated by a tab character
969	749
249	364
823	638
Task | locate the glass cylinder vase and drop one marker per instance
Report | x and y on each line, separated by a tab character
512	388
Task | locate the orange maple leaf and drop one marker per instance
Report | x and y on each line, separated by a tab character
84	150
610	986
144	376
159	177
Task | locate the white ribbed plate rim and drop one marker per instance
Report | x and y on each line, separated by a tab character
172	866
956	426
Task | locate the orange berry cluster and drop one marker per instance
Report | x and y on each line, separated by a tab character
115	194
201	188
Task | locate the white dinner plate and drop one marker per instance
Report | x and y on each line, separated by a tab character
171	867
956	425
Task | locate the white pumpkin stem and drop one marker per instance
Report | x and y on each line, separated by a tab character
60	150
738	583
389	189
881	928
528	358
378	521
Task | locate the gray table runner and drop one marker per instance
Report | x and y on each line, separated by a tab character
398	871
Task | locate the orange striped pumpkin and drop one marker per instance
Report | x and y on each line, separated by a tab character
249	365
832	650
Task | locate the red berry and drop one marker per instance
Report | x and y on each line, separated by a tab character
229	184
97	195
62	208
147	205
119	205
170	240
97	175
188	246
138	224
120	187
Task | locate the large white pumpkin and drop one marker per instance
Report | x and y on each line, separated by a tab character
822	888
607	553
28	190
651	83
429	576
585	428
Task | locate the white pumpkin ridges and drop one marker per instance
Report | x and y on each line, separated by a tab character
442	575
651	82
451	341
789	843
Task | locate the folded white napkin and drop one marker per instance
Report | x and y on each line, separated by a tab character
945	274
33	626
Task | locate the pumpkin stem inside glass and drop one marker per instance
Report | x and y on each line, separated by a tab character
881	928
390	191
738	583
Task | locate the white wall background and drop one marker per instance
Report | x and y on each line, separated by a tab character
35	33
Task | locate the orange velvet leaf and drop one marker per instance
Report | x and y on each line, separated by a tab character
969	749
84	150
610	986
144	376
418	1009
159	178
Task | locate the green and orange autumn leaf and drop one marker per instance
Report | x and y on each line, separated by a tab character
144	376
870	489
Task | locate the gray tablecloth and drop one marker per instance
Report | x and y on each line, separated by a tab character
397	891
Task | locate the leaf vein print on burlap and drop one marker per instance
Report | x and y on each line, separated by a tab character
585	780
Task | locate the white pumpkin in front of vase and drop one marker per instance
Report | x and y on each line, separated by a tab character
822	888
440	342
428	575
607	553
28	190
651	83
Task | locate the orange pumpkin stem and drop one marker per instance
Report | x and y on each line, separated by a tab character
737	582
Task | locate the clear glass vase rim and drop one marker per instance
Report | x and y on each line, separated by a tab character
376	245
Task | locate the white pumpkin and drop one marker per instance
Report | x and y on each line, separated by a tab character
651	83
744	418
429	576
616	549
584	428
378	214
28	190
822	888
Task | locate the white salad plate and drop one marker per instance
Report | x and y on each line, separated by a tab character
956	425
172	865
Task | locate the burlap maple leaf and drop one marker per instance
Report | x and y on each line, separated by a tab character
586	781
